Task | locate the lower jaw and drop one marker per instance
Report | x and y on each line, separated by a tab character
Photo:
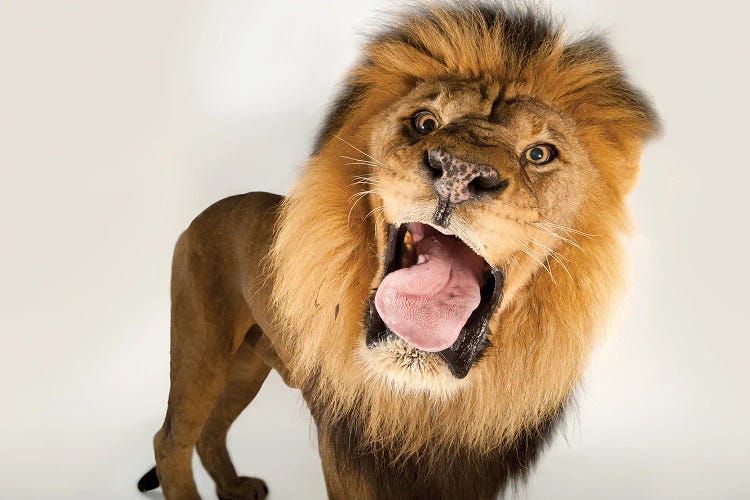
406	369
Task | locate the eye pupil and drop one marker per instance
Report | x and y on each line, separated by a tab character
536	154
425	122
540	155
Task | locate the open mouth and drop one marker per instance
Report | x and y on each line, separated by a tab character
437	294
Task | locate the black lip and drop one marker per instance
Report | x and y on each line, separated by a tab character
472	340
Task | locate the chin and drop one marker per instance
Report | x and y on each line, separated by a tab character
403	368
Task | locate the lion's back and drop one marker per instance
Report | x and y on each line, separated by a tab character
230	238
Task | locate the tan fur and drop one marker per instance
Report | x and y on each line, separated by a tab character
555	235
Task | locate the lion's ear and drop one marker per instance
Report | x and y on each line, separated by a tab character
615	118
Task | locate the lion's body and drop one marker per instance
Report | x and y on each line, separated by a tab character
260	282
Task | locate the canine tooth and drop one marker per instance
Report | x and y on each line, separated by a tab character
407	256
408	241
421	258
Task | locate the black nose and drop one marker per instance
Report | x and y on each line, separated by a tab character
457	181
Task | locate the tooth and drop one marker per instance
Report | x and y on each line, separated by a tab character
407	256
421	258
408	241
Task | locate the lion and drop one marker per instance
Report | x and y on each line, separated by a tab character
437	277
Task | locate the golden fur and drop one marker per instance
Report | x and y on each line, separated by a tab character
324	250
259	282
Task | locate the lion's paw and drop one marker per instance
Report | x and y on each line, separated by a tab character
247	488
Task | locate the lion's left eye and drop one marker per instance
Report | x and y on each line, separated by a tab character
541	154
425	122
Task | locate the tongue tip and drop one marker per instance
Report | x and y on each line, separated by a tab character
434	335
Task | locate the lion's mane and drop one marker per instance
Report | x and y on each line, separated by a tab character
324	254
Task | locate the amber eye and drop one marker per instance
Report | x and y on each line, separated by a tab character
541	154
425	122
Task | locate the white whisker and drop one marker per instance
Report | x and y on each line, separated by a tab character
374	211
554	234
354	158
567	229
367	181
377	162
543	247
361	163
356	197
362	178
528	251
559	260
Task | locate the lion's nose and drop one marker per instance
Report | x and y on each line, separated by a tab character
456	180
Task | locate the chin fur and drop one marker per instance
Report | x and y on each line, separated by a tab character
408	370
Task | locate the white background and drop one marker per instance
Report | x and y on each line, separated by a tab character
120	121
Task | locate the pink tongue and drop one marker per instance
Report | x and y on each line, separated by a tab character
428	304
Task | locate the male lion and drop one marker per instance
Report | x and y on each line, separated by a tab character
434	281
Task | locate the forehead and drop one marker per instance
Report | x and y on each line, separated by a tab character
499	105
450	95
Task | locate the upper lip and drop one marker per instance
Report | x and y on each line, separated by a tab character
473	338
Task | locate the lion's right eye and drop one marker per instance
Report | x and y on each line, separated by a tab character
425	122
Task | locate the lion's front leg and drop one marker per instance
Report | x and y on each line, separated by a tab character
344	480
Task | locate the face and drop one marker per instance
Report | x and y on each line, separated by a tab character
472	186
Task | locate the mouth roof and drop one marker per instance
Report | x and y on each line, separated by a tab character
436	294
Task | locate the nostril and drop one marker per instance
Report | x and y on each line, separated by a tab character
433	167
488	183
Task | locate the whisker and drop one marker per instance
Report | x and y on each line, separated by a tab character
356	197
374	211
513	255
554	234
558	258
544	247
368	181
530	253
361	163
360	183
364	181
360	194
567	229
378	162
354	158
